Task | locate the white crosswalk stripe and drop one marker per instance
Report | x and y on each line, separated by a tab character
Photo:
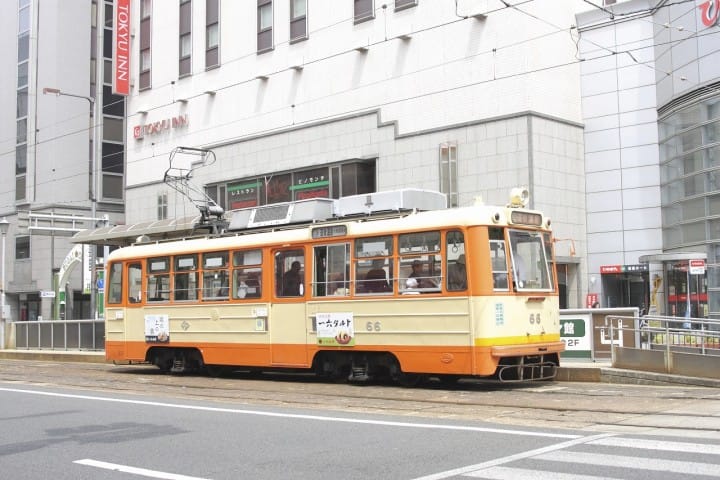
593	464
642	463
505	473
683	447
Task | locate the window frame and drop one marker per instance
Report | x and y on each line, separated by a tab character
265	35
185	39
298	20
364	16
212	23
405	4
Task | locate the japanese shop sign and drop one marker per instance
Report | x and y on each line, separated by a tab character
591	299
574	333
697	267
335	329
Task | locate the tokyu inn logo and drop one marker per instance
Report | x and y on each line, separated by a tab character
710	10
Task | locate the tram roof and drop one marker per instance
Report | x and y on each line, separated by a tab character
402	216
410	222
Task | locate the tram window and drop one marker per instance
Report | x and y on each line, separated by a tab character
331	270
134	283
498	260
530	264
420	242
158	285
247	274
547	239
290	273
375	275
420	273
186	277
115	283
373	265
215	277
455	261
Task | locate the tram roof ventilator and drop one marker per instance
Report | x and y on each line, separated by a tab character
324	209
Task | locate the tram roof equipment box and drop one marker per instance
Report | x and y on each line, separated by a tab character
320	209
302	211
390	201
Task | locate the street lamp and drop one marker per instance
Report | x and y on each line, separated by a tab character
4	225
92	187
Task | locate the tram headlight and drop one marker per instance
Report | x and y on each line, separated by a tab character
519	197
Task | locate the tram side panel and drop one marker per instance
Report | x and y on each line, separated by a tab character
427	334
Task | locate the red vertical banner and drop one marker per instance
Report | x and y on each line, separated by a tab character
121	48
591	299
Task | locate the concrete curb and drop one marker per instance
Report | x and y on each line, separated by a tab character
54	355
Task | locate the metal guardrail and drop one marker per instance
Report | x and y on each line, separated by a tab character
682	346
59	335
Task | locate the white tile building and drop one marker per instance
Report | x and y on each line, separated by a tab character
370	95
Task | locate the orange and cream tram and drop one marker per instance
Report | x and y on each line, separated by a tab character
448	293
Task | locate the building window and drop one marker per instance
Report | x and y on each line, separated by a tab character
265	26
162	206
21	106
364	10
448	173
403	4
22	248
350	178
212	33
145	36
298	20
185	64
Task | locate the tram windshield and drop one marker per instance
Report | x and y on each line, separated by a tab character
530	262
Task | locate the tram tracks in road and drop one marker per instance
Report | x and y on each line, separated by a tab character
547	405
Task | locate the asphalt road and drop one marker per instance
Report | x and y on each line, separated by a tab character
71	420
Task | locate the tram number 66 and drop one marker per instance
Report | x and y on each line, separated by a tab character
373	326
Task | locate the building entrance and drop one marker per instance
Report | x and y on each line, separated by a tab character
625	286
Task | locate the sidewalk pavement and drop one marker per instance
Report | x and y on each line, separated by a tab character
571	370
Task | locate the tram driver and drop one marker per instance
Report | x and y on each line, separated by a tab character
292	281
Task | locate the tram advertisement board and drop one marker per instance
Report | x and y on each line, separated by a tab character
157	328
335	329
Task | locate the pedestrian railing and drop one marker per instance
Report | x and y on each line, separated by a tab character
59	335
682	346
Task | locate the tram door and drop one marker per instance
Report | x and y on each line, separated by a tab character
287	317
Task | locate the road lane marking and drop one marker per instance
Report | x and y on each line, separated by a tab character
321	418
135	470
511	458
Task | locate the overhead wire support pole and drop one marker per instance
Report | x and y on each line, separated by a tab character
92	186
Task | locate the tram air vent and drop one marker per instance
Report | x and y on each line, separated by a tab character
303	211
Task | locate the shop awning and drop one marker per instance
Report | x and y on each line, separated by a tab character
672	257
